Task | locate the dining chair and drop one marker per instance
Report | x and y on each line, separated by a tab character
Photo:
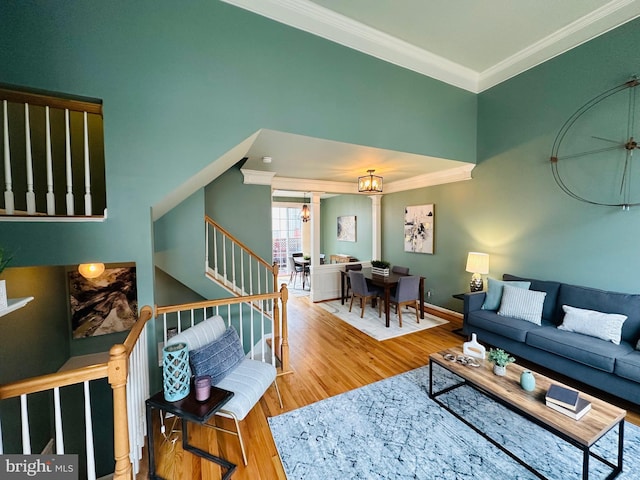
349	267
295	269
360	289
407	293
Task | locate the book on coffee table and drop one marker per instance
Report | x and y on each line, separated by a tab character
581	409
564	397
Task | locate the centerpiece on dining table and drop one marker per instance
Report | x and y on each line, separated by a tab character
380	267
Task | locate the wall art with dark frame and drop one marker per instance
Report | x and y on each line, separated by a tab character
103	305
418	228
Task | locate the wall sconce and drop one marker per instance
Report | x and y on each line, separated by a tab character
478	264
370	183
91	270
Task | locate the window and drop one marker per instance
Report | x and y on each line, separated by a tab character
286	234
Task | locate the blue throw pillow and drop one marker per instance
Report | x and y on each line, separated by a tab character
219	357
494	292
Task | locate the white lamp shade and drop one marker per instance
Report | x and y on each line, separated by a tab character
478	263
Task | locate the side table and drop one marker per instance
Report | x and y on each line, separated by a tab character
188	410
458	331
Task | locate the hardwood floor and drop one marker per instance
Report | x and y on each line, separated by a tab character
328	357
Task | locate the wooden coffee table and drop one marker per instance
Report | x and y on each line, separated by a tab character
506	390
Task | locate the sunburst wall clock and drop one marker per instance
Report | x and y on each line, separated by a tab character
592	158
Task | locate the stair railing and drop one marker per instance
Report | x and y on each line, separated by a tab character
234	266
261	334
52	158
127	373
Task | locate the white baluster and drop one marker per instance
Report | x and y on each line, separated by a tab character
67	143
24	418
58	421
8	193
31	197
215	250
91	462
206	246
1	447
233	266
51	198
87	173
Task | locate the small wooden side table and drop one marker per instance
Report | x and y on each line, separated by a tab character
189	410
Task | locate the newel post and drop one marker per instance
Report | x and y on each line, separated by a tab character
118	362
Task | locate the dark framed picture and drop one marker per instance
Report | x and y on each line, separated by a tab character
104	304
418	228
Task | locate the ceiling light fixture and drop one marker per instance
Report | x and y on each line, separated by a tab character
305	213
370	183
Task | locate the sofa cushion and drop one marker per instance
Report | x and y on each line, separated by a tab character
494	292
628	366
580	348
606	326
606	302
512	328
523	304
549	310
218	358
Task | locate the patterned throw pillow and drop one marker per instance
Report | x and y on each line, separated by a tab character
606	326
494	292
523	304
219	357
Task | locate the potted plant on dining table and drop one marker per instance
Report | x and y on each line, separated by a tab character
380	267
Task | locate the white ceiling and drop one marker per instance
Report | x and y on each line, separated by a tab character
471	44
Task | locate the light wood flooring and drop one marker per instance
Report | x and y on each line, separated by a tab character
328	357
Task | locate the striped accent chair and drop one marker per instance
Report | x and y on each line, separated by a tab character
248	380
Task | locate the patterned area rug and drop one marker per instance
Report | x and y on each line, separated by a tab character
392	430
374	326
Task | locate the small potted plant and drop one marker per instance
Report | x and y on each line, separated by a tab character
380	267
500	360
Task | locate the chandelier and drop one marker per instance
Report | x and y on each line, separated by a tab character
370	183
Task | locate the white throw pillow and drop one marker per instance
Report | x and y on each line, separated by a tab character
607	326
523	304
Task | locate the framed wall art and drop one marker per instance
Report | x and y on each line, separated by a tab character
105	304
347	228
418	229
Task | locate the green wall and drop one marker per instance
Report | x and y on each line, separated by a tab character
512	208
334	207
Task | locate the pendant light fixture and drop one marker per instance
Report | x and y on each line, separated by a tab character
305	213
370	183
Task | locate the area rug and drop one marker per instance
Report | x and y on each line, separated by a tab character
374	326
392	430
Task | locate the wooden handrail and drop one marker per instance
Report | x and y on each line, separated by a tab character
216	303
43	100
146	313
52	380
209	220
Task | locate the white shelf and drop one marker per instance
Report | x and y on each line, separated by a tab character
15	304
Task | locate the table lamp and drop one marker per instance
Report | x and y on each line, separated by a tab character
478	264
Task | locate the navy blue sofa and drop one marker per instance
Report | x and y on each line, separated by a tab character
602	364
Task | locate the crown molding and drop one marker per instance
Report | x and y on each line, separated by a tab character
456	174
592	25
312	18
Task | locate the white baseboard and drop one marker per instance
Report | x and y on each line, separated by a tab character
444	310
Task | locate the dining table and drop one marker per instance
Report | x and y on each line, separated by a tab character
387	282
304	263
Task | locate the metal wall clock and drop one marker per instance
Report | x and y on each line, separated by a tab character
592	155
